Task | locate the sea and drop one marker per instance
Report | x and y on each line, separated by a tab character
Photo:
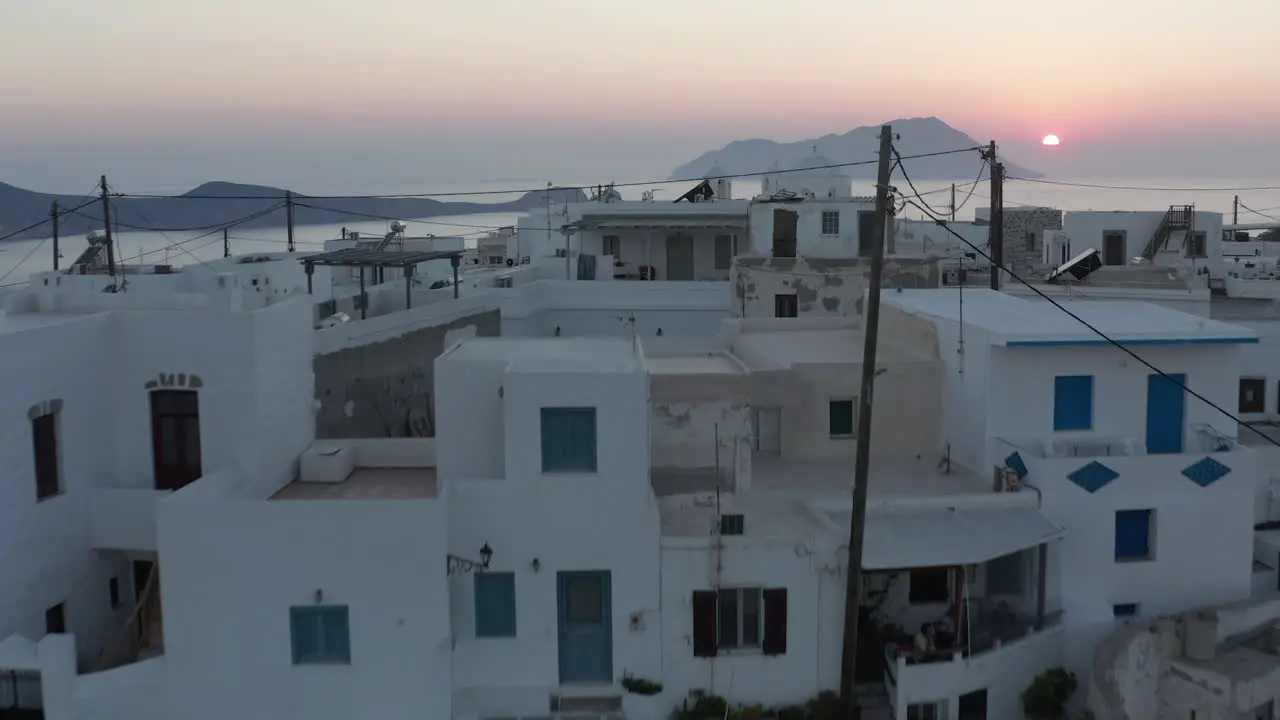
20	258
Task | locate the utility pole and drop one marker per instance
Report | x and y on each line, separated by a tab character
226	243
288	204
106	220
53	217
862	465
953	202
1235	211
995	231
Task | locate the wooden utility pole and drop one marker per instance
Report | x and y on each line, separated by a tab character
862	465
288	204
995	231
53	217
1235	211
226	243
106	220
953	202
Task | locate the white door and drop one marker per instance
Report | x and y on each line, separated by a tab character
766	426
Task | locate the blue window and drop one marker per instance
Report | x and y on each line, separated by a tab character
568	439
321	634
1073	402
495	604
1133	535
1124	610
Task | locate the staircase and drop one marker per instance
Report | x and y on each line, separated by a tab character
1177	225
873	702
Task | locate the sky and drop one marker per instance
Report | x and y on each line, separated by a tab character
166	94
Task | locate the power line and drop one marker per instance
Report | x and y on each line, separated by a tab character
1259	212
1123	348
1044	181
526	191
40	244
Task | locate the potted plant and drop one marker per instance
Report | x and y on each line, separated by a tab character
1047	696
701	705
642	700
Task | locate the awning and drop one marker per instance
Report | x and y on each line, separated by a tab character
934	538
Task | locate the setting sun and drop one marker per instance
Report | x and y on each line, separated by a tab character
1049	140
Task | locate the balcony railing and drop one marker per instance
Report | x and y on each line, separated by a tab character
1204	439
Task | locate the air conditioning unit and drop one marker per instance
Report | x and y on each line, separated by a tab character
503	282
164	269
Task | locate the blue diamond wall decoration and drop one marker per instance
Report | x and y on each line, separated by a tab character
1093	477
1015	463
1206	472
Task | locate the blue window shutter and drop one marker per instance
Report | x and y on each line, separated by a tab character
1133	534
336	634
1073	402
304	631
568	439
495	604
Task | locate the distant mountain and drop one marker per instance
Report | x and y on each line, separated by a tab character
217	203
916	136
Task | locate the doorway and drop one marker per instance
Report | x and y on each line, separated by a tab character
973	706
679	257
175	438
1113	242
1166	413
767	429
586	626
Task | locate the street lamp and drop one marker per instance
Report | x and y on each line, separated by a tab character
456	565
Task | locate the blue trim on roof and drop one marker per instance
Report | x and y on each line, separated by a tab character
1146	341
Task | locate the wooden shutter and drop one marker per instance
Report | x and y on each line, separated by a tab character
704	623
775	622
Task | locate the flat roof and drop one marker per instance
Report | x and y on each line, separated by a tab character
1017	322
889	477
553	355
370	257
710	364
368	483
781	349
948	537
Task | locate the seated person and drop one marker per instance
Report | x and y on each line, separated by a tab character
923	644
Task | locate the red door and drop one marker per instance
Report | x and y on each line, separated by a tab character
175	437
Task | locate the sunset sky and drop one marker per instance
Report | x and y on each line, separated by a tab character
168	91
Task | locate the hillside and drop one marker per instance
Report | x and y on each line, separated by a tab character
915	136
215	203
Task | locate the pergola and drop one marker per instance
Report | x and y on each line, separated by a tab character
363	258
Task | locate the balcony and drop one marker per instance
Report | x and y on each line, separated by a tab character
1006	651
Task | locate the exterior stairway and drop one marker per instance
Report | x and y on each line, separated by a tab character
1177	225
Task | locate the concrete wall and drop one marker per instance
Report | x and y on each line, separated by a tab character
1086	228
824	287
615	308
228	583
810	240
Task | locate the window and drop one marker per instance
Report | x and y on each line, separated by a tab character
1124	610
786	306
568	440
1196	245
923	711
1073	402
929	586
495	604
44	439
868	225
733	524
113	590
1133	535
1253	397
1030	239
724	252
610	245
321	634
175	438
740	619
55	619
830	222
840	418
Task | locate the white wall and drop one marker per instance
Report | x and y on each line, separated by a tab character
587	308
1086	228
810	242
606	520
232	568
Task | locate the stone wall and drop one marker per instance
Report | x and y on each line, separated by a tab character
386	389
824	287
1023	234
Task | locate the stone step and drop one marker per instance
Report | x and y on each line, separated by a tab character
594	703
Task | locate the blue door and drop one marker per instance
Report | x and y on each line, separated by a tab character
1166	413
586	627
